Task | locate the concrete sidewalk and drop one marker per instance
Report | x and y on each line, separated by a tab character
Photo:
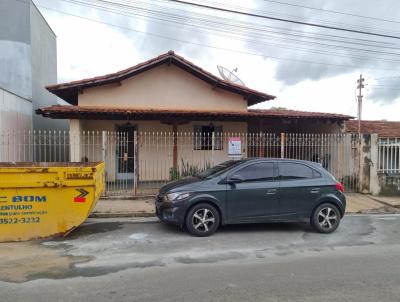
106	208
356	203
368	204
389	201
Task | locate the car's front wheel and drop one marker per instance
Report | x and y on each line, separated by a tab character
202	220
325	218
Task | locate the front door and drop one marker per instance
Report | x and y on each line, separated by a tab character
256	197
125	152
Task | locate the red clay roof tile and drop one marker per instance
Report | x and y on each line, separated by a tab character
382	128
69	91
82	112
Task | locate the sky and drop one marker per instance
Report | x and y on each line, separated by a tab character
307	68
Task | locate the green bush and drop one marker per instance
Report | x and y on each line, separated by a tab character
174	174
186	170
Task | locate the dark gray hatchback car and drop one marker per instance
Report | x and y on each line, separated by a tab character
254	191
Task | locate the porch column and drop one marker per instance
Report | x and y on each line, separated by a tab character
174	124
75	132
175	146
261	147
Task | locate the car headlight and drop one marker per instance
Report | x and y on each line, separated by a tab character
177	196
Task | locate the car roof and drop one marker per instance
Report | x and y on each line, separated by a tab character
255	159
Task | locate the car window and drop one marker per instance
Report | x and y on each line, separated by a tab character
292	171
316	174
257	172
219	169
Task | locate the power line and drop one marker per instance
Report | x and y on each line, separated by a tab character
235	26
258	41
390	89
388	78
331	11
289	16
283	19
210	46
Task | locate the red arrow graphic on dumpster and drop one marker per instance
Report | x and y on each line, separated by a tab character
81	197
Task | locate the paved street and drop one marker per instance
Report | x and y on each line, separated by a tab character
143	260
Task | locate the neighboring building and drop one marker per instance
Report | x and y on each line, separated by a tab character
28	61
384	129
388	143
169	94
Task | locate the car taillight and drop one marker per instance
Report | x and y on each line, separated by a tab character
339	187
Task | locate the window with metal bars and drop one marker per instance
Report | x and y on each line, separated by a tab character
203	137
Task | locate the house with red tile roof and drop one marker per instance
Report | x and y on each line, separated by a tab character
171	90
171	94
384	129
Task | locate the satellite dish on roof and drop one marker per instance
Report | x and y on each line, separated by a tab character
229	76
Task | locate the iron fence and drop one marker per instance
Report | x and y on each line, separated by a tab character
337	153
141	162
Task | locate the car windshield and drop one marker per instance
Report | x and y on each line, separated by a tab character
218	169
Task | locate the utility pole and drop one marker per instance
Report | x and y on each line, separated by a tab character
360	86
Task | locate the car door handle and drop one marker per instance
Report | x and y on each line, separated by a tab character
271	192
314	191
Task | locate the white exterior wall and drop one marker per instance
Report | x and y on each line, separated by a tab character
15	112
28	61
15	118
44	70
15	48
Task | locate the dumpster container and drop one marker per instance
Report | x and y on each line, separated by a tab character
41	200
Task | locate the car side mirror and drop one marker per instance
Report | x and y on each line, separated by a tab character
235	179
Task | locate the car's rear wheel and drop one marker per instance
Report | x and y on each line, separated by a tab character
325	218
202	220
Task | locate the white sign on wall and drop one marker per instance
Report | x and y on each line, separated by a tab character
235	146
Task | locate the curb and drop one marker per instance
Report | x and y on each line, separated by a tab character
383	210
384	202
121	215
377	211
136	197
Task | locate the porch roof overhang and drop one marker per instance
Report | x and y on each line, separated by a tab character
69	91
109	113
